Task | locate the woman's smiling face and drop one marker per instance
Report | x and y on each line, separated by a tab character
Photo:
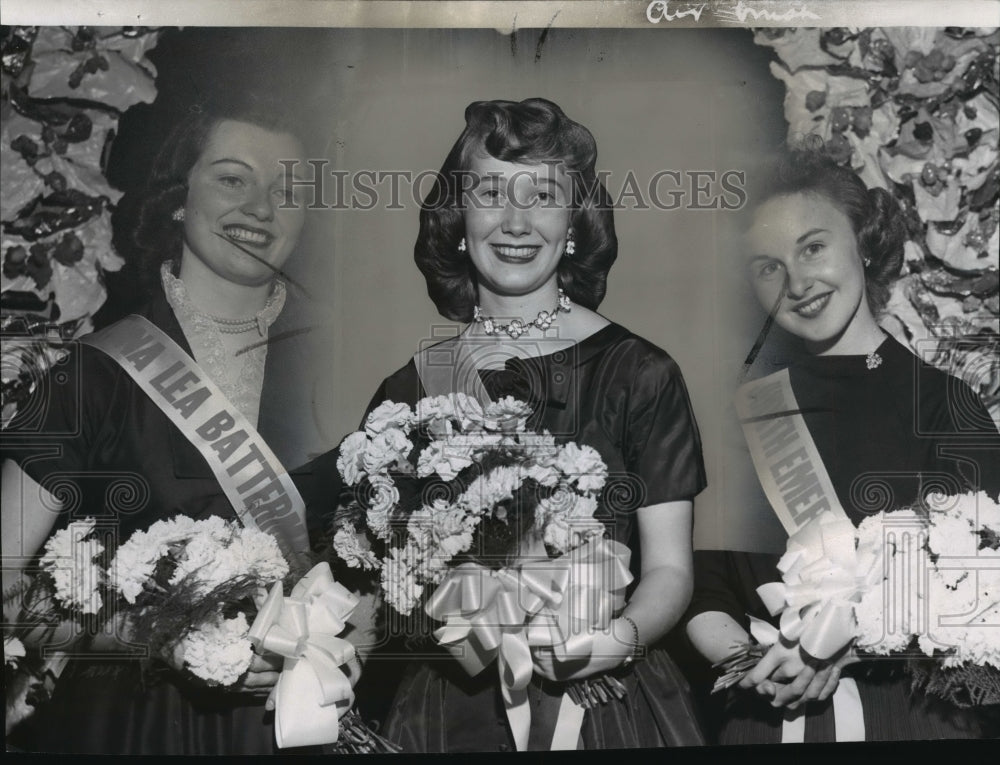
241	219
516	221
805	266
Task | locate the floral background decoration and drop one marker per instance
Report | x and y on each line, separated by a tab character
915	110
63	92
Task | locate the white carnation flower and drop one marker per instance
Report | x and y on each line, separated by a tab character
135	561
546	475
556	534
399	581
540	448
486	492
384	495
382	499
872	634
507	414
456	544
584	465
388	416
386	449
349	460
468	412
952	534
219	651
347	545
69	560
569	521
445	458
434	408
259	555
206	561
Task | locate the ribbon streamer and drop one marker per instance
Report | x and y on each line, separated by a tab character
501	615
312	692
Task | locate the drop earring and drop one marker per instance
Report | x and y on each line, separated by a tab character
866	262
178	214
461	245
570	244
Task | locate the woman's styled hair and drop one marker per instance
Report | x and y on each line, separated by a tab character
535	131
145	232
875	215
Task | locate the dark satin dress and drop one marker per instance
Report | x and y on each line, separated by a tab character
626	398
884	435
97	429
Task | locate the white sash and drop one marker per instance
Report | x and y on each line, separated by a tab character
250	475
798	487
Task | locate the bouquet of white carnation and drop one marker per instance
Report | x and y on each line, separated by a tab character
939	602
450	481
185	587
920	583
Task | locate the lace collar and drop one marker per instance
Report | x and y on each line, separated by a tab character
239	376
177	296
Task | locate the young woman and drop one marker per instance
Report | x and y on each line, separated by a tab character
214	229
517	239
822	252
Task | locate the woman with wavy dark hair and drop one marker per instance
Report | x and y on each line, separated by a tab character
516	239
822	252
534	133
211	231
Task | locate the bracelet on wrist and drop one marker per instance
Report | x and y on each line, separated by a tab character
636	645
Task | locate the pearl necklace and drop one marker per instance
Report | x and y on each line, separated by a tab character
239	326
258	321
516	328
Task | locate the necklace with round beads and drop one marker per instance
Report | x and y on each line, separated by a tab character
516	327
239	326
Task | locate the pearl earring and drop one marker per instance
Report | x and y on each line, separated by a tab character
461	245
178	214
570	244
867	262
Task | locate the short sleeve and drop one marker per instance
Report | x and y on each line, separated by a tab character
56	426
663	447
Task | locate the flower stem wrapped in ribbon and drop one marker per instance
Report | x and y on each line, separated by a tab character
313	692
501	615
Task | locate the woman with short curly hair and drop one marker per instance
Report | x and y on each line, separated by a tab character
532	132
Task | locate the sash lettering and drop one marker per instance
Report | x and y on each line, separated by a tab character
784	454
252	478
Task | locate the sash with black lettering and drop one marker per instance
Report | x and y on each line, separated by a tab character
250	475
798	487
784	454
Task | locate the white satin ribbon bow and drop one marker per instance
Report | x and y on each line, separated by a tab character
500	615
313	692
824	575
